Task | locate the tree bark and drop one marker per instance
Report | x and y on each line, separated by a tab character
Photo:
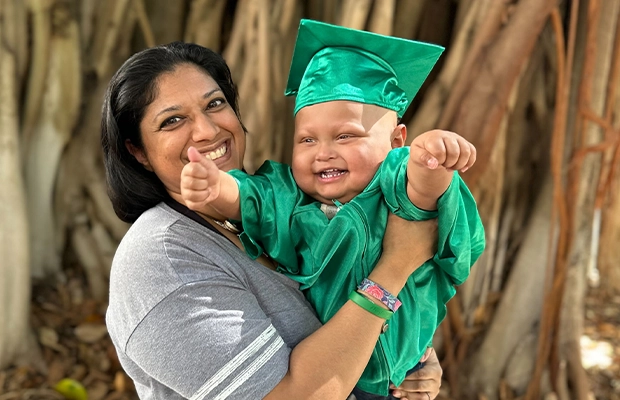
609	253
61	102
593	96
14	249
483	105
517	315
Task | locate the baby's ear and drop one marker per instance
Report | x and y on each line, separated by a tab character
399	136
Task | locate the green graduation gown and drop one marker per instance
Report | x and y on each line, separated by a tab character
329	258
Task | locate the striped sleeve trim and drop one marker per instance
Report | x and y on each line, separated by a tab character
251	369
238	360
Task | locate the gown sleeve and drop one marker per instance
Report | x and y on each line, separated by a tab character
461	237
267	202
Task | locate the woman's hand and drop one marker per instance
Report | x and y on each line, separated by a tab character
406	246
411	242
423	384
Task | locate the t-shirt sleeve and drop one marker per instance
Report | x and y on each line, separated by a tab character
267	202
210	340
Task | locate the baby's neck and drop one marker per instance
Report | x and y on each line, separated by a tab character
330	210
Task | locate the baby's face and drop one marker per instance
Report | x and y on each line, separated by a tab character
339	145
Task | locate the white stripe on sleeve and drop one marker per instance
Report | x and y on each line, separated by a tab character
233	364
251	369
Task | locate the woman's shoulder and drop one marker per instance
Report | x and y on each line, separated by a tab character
162	243
161	228
160	253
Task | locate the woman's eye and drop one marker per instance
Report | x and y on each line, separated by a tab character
215	103
307	140
170	121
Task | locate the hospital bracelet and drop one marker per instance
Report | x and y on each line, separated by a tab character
373	289
370	306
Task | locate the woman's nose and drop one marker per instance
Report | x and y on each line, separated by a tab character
205	128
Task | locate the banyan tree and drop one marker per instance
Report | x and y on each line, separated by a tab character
532	83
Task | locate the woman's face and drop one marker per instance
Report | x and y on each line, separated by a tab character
189	109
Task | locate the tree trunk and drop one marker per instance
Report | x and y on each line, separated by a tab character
594	96
14	244
517	316
60	107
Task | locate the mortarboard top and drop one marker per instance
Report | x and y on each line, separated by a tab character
335	63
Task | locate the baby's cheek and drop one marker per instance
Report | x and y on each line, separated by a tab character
303	177
367	172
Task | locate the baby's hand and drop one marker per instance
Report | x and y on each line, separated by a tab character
443	148
200	180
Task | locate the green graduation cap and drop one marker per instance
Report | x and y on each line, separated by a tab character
335	63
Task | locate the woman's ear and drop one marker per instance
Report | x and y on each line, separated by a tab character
138	155
399	136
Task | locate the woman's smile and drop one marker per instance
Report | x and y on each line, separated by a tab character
220	154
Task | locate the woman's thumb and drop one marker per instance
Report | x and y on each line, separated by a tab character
427	354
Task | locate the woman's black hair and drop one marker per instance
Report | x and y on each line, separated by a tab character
131	187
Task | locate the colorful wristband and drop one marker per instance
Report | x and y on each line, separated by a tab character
373	289
370	306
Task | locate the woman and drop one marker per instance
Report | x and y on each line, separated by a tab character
190	314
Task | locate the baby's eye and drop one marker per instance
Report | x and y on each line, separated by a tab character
215	103
170	121
344	136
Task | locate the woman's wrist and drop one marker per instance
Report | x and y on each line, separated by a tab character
374	300
391	278
369	304
377	292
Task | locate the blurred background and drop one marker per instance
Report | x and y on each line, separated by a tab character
534	84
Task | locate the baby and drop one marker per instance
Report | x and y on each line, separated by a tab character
323	218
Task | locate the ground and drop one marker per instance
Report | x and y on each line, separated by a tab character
601	344
70	329
71	332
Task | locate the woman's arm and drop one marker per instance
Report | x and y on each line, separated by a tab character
328	363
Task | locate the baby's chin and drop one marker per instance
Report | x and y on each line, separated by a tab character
329	198
342	199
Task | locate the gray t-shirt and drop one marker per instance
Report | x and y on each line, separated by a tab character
192	317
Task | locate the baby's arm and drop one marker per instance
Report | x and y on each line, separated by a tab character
433	158
204	187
